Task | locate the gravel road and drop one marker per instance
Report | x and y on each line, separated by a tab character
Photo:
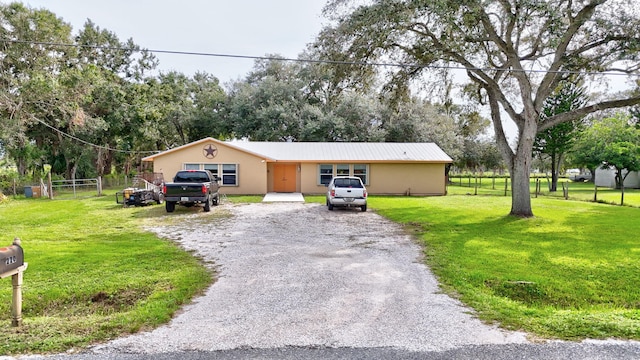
298	275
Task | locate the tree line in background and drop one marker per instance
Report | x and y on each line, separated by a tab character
64	93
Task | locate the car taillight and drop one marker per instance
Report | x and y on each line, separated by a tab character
204	189
164	189
333	192
364	193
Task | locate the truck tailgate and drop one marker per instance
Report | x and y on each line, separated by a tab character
342	192
184	190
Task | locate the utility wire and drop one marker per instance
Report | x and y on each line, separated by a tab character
276	58
318	61
91	144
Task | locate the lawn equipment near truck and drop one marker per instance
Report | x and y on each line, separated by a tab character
139	196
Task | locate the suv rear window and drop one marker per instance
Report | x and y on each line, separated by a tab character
347	183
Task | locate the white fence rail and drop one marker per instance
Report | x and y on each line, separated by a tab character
76	185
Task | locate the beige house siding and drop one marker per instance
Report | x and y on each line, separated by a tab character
387	179
309	179
252	174
407	179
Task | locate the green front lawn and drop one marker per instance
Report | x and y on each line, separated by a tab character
572	272
94	273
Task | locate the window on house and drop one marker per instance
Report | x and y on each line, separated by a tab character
230	174
342	170
227	172
325	172
361	171
213	169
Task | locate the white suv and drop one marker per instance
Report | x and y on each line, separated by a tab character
346	191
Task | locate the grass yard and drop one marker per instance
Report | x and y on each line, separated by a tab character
572	272
93	274
576	190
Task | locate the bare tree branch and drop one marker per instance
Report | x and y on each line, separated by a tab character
575	114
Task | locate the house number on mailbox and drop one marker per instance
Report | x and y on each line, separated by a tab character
10	260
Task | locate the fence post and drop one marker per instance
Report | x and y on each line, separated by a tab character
565	190
506	182
50	185
475	191
595	193
493	182
99	185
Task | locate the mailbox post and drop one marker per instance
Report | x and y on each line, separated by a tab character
12	264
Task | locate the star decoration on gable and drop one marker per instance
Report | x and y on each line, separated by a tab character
210	151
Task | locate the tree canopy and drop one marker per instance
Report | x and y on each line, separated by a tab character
515	52
612	142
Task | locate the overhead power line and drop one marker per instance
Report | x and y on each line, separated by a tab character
319	61
274	58
89	143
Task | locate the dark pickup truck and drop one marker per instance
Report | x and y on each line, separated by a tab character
191	187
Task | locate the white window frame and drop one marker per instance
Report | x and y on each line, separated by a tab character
361	176
340	169
214	169
321	174
217	170
191	166
351	168
235	174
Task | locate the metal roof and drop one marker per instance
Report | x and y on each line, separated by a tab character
345	151
330	151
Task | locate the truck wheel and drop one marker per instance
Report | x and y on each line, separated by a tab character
363	208
207	205
170	206
216	200
329	205
160	199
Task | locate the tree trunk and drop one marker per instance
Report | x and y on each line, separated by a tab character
519	163
619	179
593	175
520	190
521	170
554	173
100	162
21	164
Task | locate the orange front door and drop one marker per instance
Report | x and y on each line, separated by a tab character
284	177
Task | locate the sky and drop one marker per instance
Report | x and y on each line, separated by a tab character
235	27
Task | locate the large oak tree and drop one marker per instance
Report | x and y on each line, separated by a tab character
515	52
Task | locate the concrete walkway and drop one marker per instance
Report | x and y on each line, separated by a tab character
283	197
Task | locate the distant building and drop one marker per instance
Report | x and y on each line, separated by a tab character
607	178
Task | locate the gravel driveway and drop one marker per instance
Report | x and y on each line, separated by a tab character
295	274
